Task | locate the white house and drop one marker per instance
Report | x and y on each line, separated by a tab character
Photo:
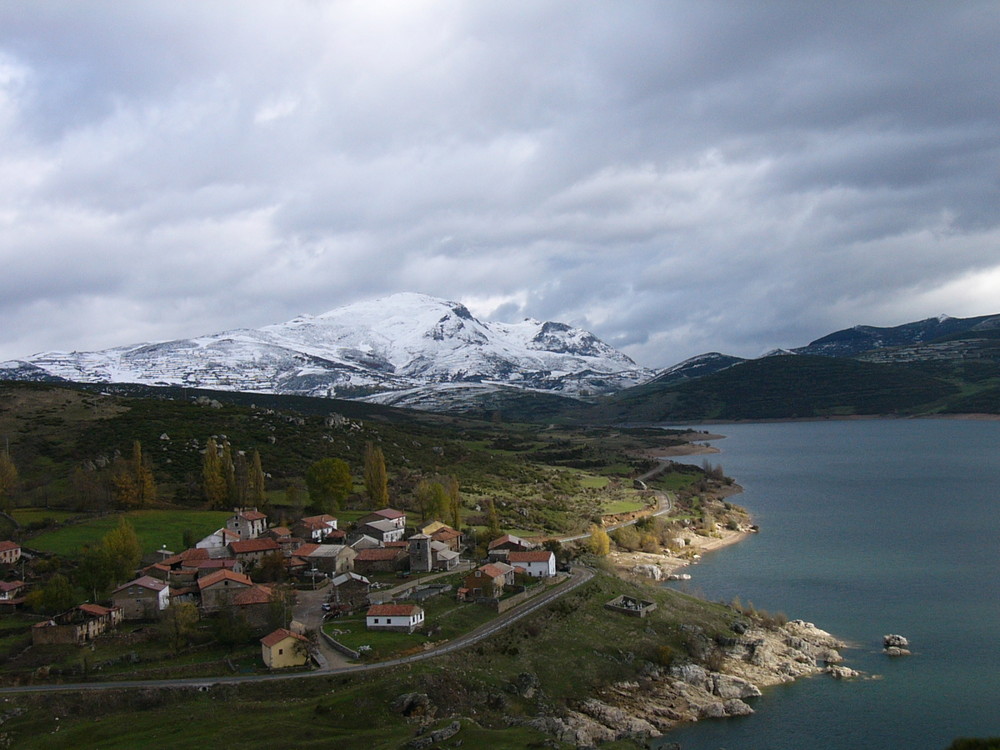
384	530
538	563
401	617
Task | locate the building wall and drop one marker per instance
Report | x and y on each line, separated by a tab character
283	654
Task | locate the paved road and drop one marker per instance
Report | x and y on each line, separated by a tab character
664	503
578	577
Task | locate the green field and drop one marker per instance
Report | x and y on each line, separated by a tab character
25	516
155	528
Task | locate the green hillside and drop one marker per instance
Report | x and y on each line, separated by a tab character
788	387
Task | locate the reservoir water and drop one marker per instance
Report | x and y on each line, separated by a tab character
867	528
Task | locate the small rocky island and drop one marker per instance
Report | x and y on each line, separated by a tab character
895	645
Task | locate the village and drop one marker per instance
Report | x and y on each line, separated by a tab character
357	570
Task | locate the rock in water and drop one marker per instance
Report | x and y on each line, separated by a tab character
895	645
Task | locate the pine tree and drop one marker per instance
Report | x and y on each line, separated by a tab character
212	481
376	480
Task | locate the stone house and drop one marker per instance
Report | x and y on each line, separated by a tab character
79	625
251	551
247	523
380	560
487	581
332	559
219	588
144	598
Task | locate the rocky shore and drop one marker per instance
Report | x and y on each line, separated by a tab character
664	697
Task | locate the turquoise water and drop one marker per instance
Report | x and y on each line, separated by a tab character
867	528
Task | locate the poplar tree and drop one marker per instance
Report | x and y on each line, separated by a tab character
145	482
229	474
376	480
212	481
454	501
8	479
492	520
258	496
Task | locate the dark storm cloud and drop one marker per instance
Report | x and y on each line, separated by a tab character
677	177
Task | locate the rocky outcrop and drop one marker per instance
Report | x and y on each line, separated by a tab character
649	571
664	697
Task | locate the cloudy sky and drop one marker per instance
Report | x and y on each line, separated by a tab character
678	177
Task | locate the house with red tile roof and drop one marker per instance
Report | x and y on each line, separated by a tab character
282	648
381	560
537	563
251	551
488	581
398	617
219	588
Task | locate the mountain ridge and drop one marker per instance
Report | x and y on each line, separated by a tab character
401	344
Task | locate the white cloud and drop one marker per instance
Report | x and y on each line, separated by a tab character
679	177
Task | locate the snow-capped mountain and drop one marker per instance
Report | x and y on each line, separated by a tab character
391	350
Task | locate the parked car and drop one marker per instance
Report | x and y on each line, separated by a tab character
326	606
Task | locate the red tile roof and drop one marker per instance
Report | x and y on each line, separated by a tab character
509	539
537	555
11	585
94	609
252	515
305	550
276	637
492	570
389	513
253	595
249	546
221	575
8	546
393	610
378	554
